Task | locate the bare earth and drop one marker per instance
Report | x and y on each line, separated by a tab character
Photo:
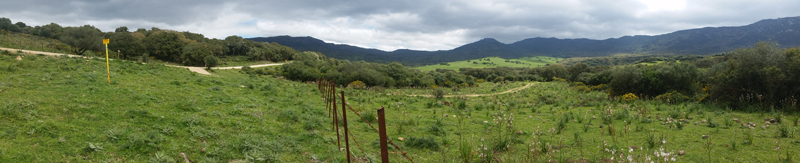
478	95
200	70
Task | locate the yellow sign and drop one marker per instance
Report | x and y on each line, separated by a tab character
108	68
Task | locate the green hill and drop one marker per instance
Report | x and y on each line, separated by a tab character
491	62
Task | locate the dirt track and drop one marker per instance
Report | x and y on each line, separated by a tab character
200	70
478	95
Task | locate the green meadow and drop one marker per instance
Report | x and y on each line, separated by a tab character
58	109
491	62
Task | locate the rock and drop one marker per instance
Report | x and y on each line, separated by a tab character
681	153
648	117
764	127
751	127
601	126
19	58
695	123
594	117
685	121
773	121
736	120
704	121
659	119
767	123
662	123
185	159
690	118
400	138
705	136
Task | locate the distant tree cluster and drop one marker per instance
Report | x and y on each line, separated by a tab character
186	48
310	66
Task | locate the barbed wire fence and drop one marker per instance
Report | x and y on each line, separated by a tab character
327	90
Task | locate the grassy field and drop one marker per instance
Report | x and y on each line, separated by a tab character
491	62
63	110
30	42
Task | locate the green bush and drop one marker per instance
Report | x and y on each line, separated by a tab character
438	93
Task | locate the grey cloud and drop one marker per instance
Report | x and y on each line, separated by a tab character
416	20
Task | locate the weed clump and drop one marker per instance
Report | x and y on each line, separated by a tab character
369	116
289	116
437	130
422	143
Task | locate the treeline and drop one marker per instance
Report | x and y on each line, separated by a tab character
345	72
182	47
763	74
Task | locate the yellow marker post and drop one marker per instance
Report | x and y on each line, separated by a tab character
108	69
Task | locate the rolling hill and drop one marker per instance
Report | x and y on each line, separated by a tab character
709	40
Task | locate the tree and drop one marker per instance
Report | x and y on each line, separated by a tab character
83	38
236	45
625	80
556	70
211	61
6	24
164	45
121	29
125	43
51	30
196	54
21	24
575	70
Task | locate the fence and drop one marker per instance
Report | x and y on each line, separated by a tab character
328	92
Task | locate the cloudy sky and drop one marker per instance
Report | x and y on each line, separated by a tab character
403	24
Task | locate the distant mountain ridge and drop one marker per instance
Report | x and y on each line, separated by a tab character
708	40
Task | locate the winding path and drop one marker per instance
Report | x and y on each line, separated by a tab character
200	70
478	95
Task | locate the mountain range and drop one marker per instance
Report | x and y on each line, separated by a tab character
700	41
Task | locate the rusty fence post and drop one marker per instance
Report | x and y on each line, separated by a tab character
344	119
383	138
336	117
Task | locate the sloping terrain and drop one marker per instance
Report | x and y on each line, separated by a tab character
709	40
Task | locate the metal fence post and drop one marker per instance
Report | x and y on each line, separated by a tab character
336	116
383	138
344	119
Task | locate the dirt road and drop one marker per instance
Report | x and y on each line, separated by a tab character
478	95
38	52
200	70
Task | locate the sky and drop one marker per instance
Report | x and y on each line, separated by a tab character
403	24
